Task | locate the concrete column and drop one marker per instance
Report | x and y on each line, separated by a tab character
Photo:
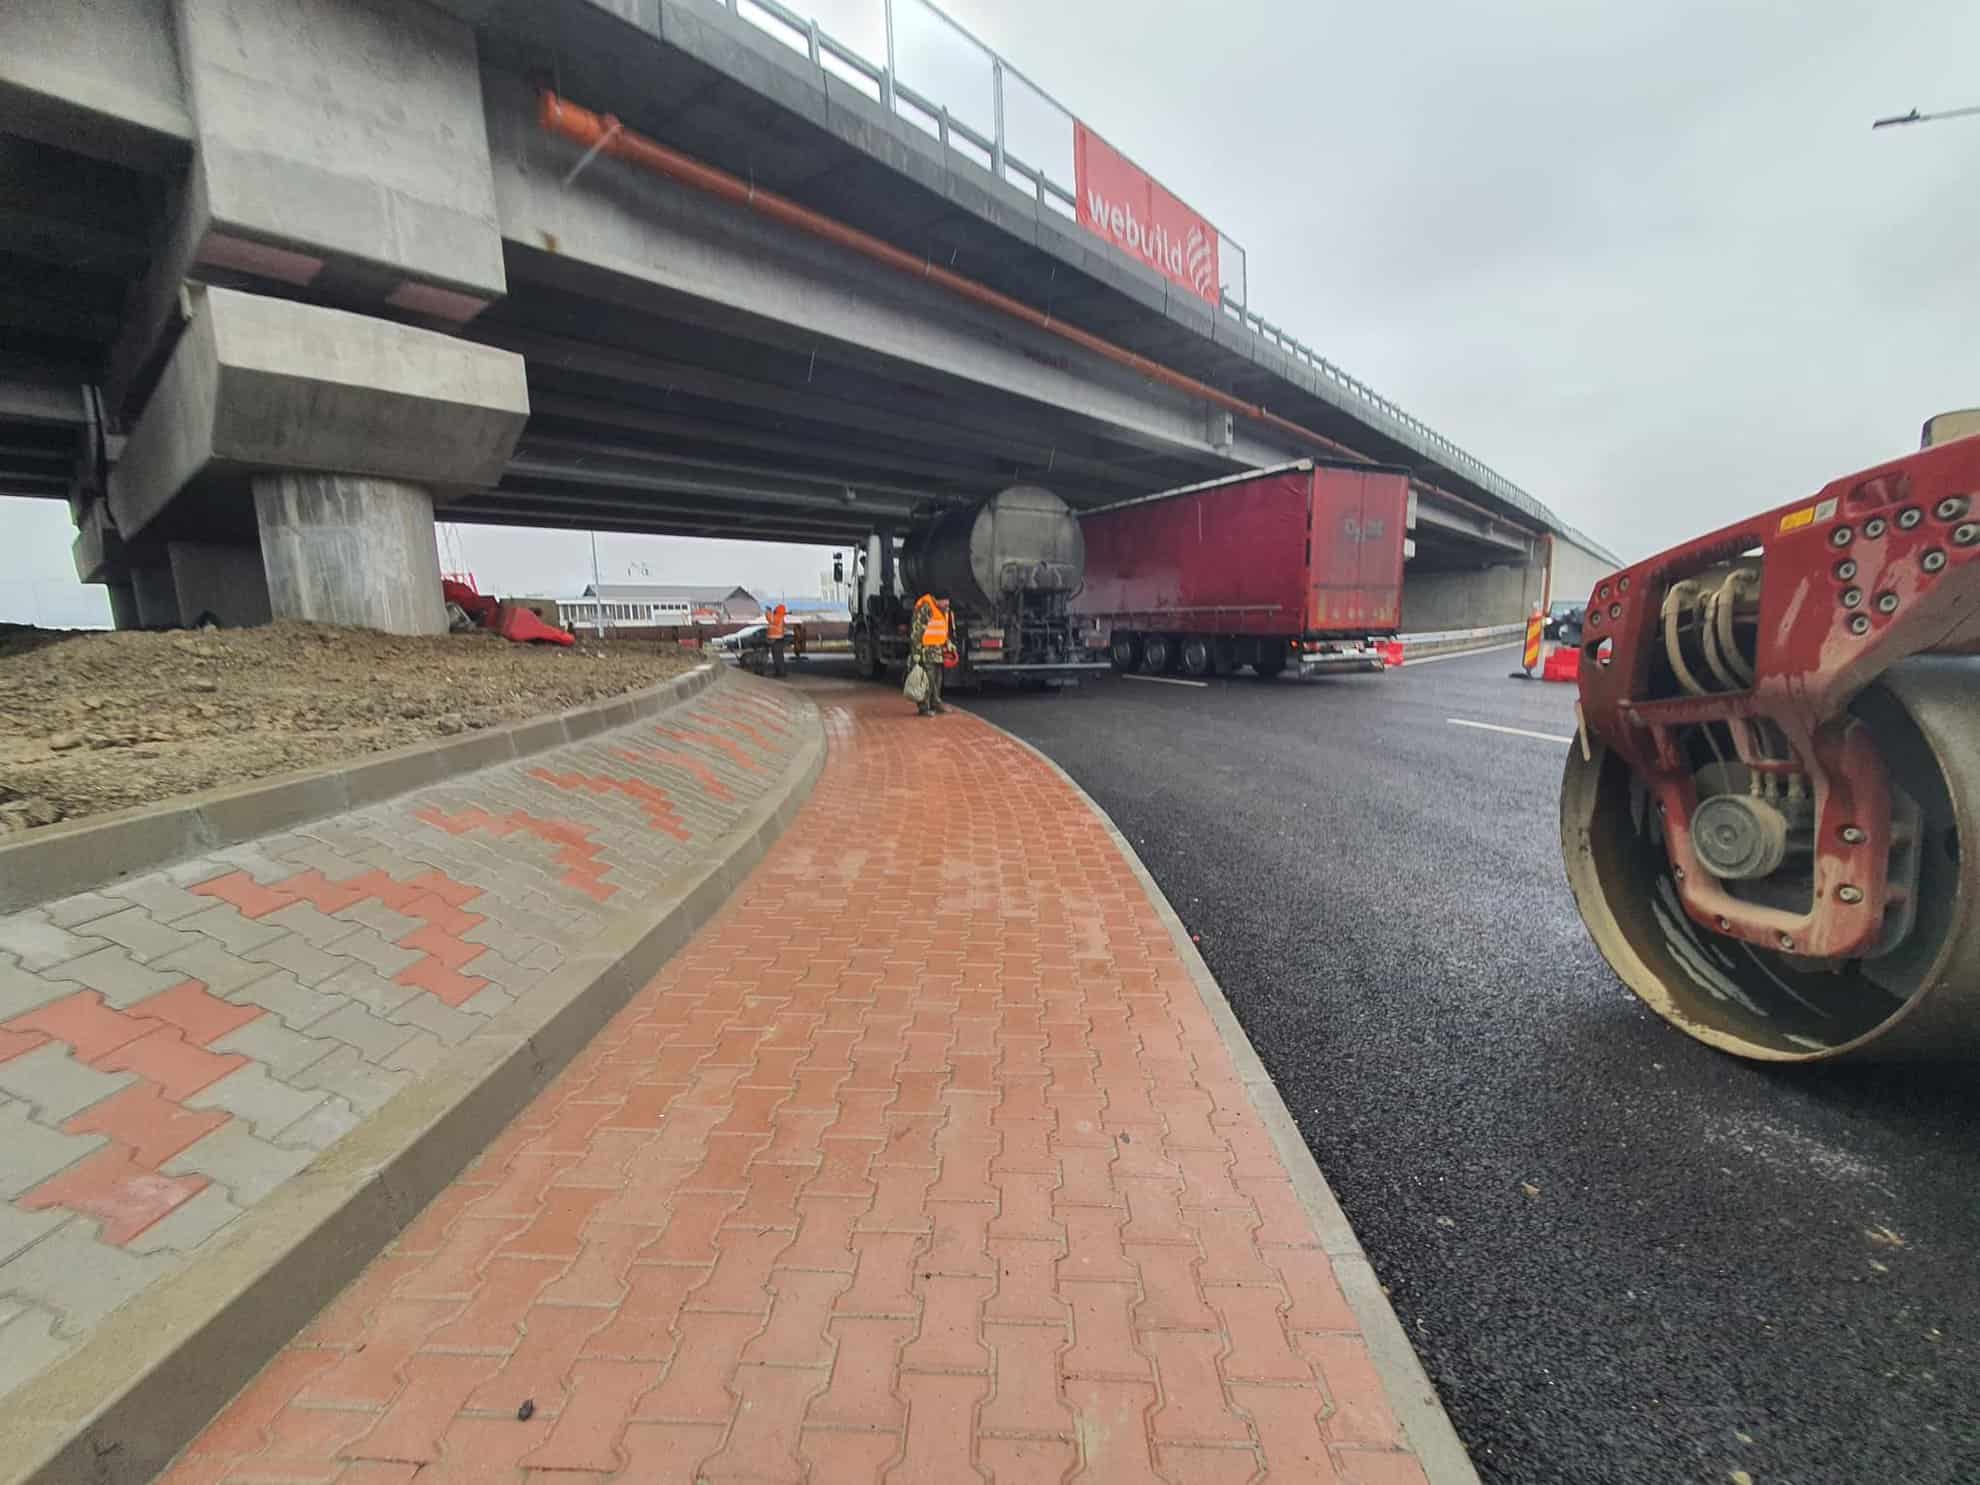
224	581
123	605
349	549
157	598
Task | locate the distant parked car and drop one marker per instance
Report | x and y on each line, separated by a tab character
1564	621
730	644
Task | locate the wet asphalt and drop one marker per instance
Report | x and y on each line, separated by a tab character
1623	1257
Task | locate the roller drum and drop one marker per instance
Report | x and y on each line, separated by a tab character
1921	1000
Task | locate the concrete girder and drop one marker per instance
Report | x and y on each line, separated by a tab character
660	480
56	405
1037	461
101	79
555	296
717	472
650	232
602	511
660	374
892	459
1497	541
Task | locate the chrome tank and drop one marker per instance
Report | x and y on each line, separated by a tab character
1022	540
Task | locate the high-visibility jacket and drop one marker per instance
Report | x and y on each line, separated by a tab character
777	622
935	628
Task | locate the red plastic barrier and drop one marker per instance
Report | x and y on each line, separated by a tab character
1391	651
514	622
1563	665
477	606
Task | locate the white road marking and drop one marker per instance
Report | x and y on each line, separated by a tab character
1515	731
1165	680
1463	654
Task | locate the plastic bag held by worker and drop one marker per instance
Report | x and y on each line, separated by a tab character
916	686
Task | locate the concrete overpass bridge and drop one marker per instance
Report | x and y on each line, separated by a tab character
287	276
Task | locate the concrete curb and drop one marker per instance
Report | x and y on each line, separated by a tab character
1417	1406
58	860
116	1410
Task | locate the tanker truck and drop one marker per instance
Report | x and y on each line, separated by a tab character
1009	566
1771	816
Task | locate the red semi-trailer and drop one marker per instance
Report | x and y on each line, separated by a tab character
1299	567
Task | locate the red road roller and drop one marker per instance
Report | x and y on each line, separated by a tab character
1771	817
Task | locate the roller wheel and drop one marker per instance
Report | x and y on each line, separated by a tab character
1922	999
1158	654
1197	657
1126	651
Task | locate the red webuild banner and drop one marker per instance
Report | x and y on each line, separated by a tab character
1119	201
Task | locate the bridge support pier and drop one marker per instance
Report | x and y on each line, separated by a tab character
288	463
123	605
346	549
222	580
154	598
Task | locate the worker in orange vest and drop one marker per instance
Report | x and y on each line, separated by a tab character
930	638
777	616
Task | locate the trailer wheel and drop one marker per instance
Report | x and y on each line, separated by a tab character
1196	655
866	659
1126	651
1268	665
1157	654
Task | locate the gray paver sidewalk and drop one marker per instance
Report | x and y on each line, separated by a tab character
175	1046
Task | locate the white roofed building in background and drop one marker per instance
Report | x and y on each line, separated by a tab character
645	605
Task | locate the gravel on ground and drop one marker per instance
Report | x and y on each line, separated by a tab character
94	721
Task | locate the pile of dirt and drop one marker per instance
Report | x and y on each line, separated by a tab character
91	722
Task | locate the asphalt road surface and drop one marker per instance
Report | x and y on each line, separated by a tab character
1623	1257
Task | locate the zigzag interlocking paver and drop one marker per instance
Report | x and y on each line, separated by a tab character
296	1005
325	1124
31	1152
240	1012
118	977
21	1230
254	1095
924	1161
28	1341
141	934
163	894
36	943
84	907
55	1085
21	992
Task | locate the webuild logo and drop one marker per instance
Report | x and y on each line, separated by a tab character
1119	202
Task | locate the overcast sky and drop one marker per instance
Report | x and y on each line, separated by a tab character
1647	260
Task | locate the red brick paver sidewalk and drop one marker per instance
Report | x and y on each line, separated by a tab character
924	1162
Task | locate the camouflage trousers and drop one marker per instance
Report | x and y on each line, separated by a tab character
930	659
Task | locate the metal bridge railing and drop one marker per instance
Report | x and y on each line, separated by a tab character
979	104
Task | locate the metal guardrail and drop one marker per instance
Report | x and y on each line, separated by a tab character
823	49
1464	636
